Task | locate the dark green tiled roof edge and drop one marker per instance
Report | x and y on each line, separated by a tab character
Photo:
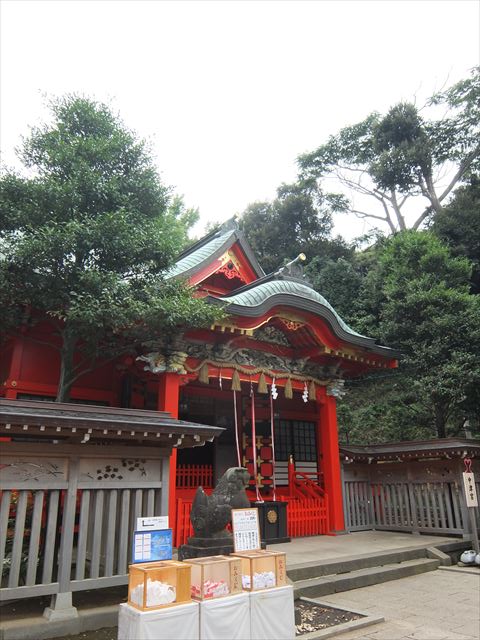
256	300
202	253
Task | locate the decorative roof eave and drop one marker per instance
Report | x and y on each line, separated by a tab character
300	302
198	256
395	451
64	420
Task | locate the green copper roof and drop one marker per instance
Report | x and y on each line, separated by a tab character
212	246
202	254
257	299
256	295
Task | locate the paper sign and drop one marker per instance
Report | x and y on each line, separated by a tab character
151	546
246	529
153	523
470	490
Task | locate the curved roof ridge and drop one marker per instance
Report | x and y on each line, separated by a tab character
212	246
258	297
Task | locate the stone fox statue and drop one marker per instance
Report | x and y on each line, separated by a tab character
211	514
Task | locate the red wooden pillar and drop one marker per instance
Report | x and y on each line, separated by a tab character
328	437
168	397
14	369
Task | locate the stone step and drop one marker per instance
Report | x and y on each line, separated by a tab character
325	585
316	569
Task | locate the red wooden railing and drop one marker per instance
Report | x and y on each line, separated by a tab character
183	528
305	517
305	484
191	476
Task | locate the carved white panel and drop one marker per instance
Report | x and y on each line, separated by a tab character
28	470
119	470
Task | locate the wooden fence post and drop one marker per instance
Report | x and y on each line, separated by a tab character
61	606
412	501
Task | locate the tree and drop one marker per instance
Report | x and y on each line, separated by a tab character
397	163
383	407
458	225
87	238
297	221
427	313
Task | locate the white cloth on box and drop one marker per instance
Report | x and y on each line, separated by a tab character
179	621
272	614
225	618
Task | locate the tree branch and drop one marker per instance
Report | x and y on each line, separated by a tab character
464	165
396	208
364	214
422	217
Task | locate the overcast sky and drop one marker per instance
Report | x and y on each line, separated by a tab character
229	92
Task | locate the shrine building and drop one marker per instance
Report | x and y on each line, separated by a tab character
275	366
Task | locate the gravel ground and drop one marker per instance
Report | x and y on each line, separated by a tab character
313	617
99	634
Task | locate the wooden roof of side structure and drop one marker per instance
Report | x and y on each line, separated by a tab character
412	449
86	423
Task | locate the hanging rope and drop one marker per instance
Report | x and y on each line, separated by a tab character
254	444
236	427
272	429
203	372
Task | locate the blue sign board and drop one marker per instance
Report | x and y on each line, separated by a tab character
151	546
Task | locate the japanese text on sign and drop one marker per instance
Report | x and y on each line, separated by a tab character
246	529
152	546
470	490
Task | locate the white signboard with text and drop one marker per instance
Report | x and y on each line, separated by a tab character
152	523
246	529
470	490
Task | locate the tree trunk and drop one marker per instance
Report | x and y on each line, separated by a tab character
67	353
440	419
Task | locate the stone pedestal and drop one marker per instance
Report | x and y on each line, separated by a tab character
201	547
61	608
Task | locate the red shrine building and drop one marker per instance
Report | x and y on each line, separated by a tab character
276	366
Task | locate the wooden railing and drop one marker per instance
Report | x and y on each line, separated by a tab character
65	525
191	476
183	528
305	484
424	507
305	517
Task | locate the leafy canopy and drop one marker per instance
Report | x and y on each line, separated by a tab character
297	221
87	239
426	311
396	163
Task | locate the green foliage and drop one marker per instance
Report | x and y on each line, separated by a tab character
339	282
411	291
387	161
419	294
383	408
458	225
87	239
297	221
403	154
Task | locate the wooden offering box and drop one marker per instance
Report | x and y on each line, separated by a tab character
215	576
154	585
262	569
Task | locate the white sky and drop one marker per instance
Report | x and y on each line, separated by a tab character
230	92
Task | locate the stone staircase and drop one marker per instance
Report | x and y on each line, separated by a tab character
314	580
